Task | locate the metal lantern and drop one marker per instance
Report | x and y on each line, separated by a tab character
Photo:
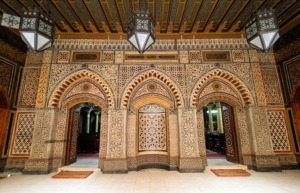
262	30
141	33
36	30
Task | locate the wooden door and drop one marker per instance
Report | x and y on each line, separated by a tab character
74	121
229	133
296	111
4	112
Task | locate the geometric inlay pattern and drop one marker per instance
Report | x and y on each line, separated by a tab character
63	57
30	87
23	134
238	55
195	57
278	130
108	57
293	68
152	128
6	72
116	134
272	86
260	89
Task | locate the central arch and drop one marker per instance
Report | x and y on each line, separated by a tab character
158	76
152	133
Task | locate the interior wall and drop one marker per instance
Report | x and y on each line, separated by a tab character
184	70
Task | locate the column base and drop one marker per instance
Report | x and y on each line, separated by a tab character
298	160
190	165
115	166
15	164
2	164
288	161
38	166
265	163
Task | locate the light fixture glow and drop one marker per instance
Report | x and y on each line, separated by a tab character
141	33
36	30
262	30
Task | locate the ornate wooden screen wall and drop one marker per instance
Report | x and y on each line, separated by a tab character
152	128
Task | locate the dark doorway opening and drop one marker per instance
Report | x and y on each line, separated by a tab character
84	132
220	134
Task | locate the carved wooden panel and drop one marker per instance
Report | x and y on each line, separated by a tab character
152	128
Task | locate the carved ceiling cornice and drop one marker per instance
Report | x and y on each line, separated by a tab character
174	19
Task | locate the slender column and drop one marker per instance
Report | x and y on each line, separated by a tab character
219	118
210	119
80	122
88	120
97	121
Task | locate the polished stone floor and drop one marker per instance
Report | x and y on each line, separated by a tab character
154	181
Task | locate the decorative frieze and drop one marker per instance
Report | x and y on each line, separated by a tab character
186	44
180	44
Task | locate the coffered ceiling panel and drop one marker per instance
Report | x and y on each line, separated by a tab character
173	18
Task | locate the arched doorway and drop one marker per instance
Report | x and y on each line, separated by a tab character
83	134
220	132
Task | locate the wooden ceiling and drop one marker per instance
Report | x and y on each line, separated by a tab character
173	18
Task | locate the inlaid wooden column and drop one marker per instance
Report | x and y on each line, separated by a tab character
264	158
189	160
116	161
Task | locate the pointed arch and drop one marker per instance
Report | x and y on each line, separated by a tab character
148	75
234	81
69	81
